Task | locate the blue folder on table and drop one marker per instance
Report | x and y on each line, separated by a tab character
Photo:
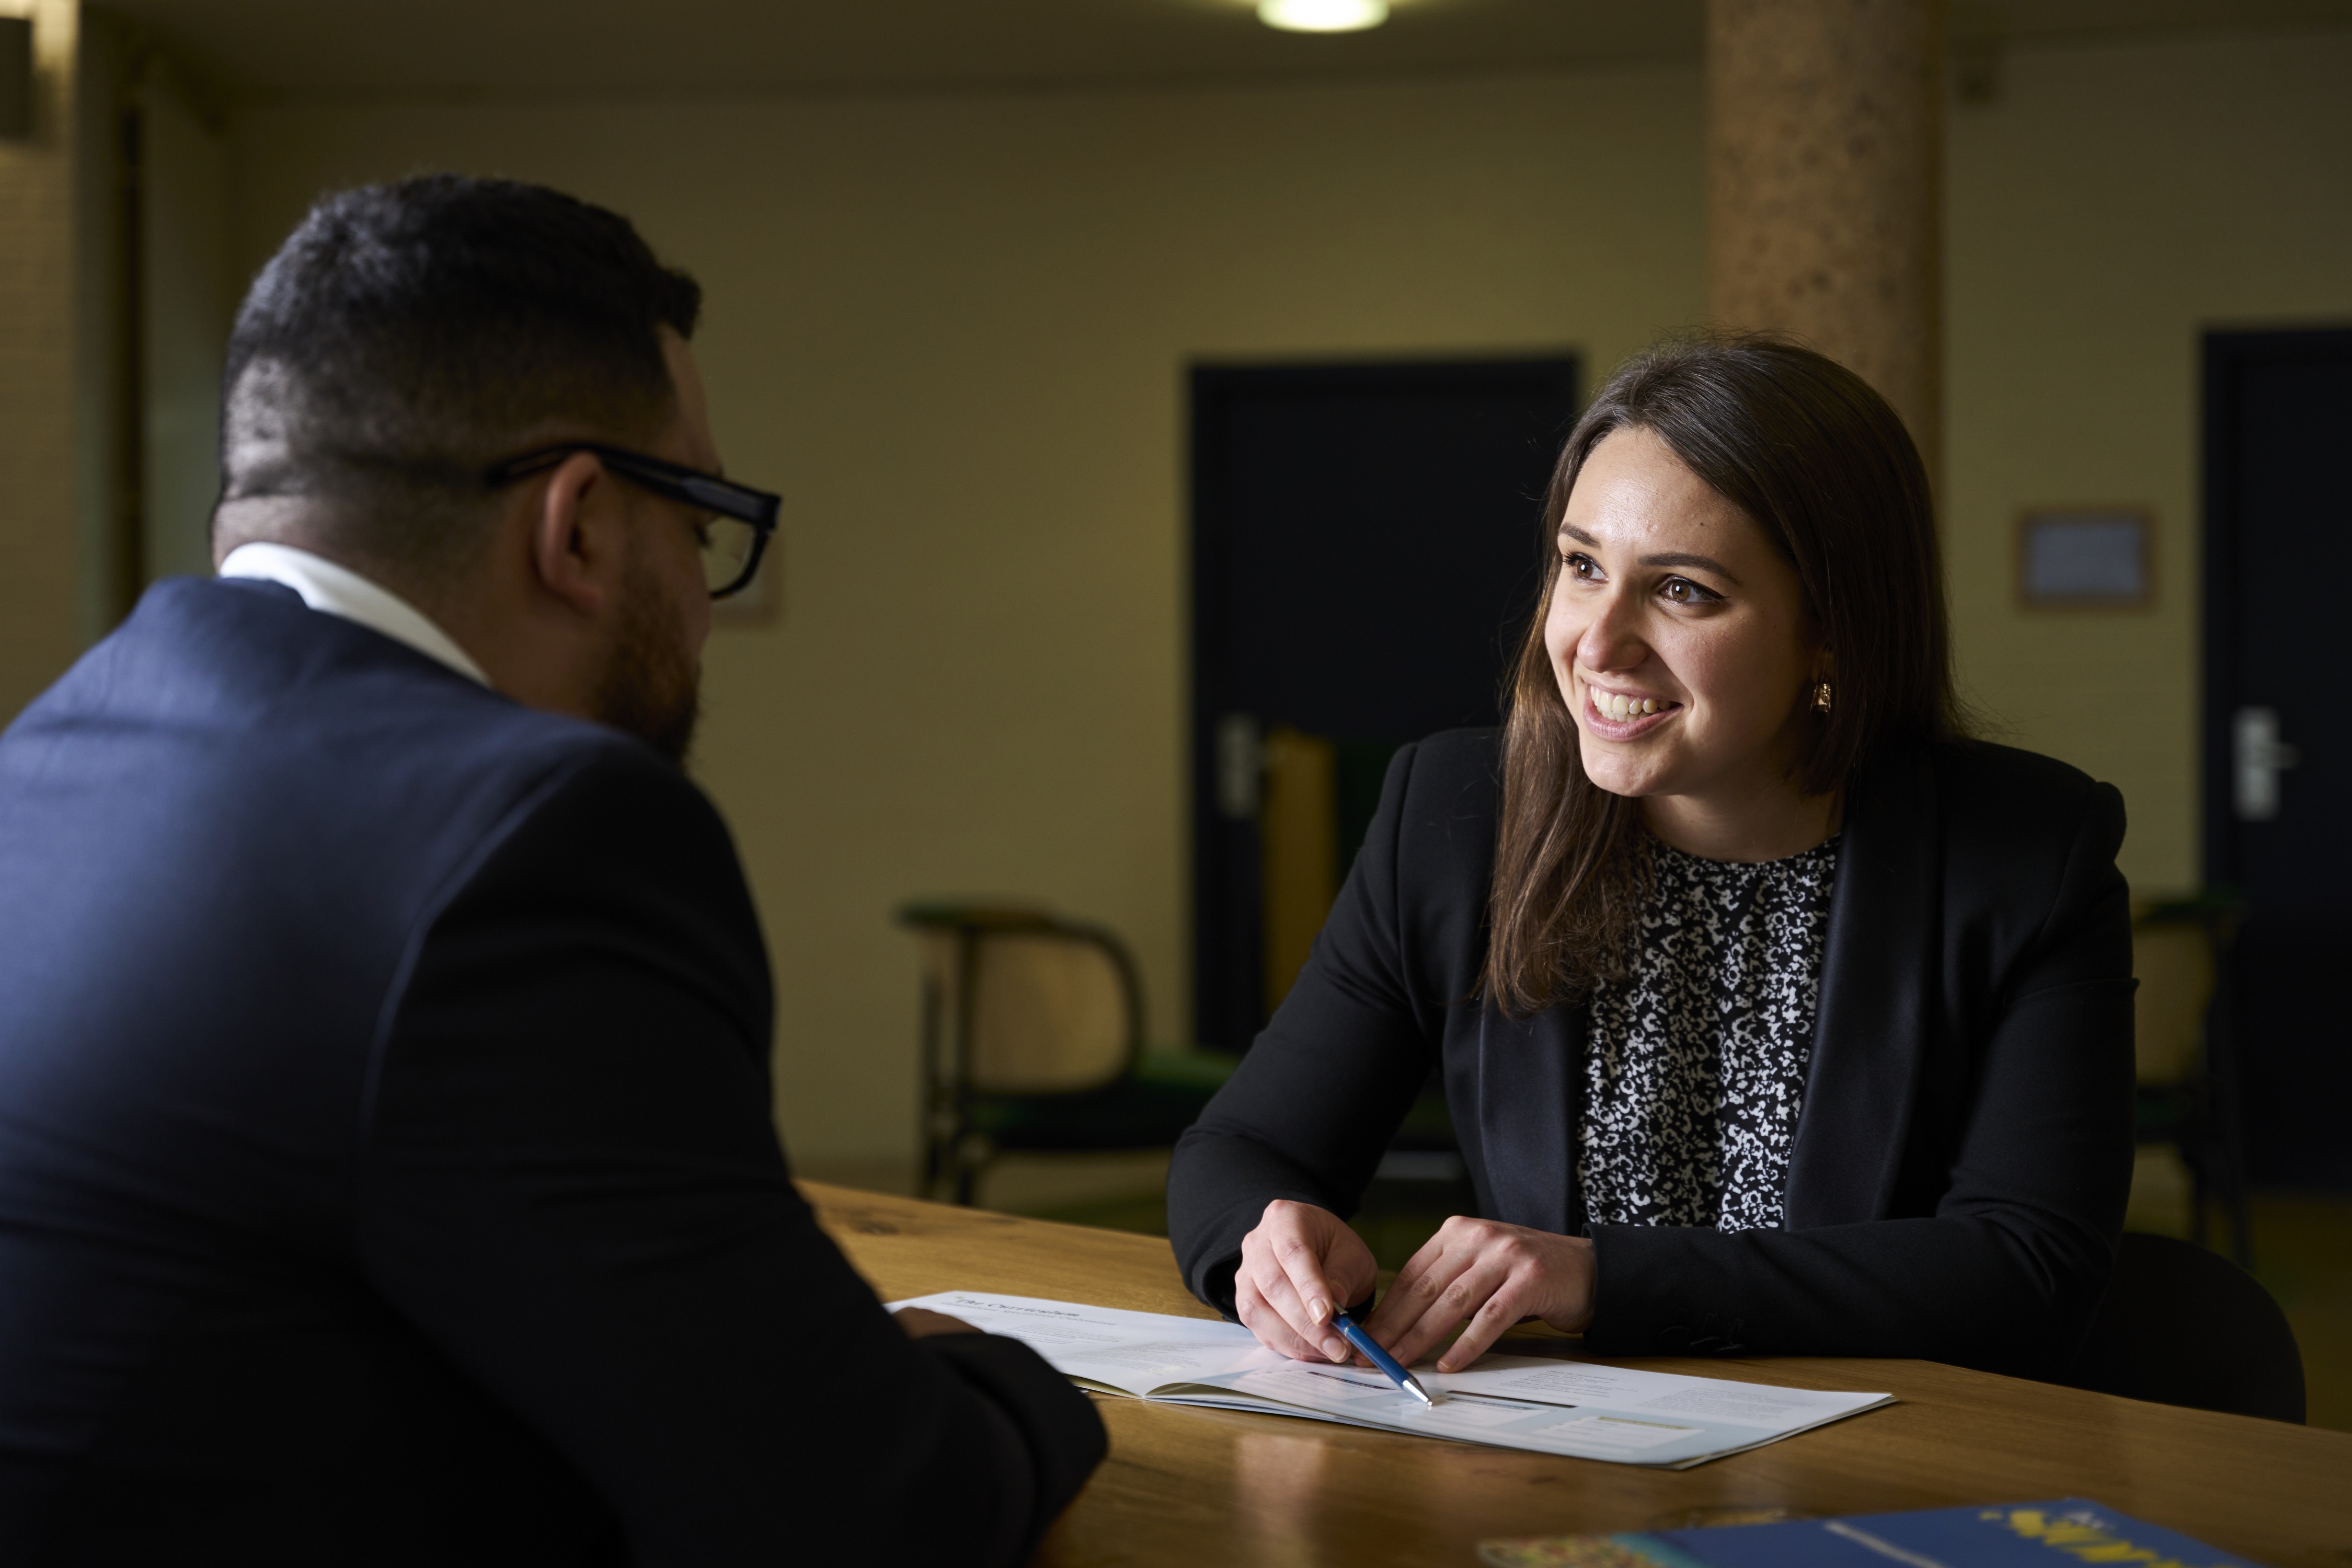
2067	1533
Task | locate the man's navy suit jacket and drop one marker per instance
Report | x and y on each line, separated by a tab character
386	1164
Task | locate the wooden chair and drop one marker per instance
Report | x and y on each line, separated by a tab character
1033	1039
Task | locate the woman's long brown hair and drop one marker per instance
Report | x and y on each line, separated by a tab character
1822	463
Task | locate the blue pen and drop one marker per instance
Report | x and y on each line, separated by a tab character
1397	1375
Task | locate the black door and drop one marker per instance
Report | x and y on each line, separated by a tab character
1365	556
2278	731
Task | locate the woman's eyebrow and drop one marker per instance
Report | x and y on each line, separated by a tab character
1704	562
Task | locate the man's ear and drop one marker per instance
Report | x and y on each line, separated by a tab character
574	534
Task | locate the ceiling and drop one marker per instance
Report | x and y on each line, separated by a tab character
307	49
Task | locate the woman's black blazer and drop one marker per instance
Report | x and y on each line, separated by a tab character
1964	1149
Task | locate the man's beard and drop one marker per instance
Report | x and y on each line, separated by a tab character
650	685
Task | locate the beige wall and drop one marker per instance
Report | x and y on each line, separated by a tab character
952	331
40	525
2111	205
186	299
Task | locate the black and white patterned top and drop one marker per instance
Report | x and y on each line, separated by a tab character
1695	1063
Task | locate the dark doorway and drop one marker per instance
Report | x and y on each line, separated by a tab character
1365	556
2278	732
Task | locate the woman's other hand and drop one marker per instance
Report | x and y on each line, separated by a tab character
1299	1267
1490	1274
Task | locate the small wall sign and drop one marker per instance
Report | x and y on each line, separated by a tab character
2086	557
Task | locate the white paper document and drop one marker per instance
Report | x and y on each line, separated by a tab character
1543	1402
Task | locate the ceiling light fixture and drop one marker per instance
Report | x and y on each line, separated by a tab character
1322	15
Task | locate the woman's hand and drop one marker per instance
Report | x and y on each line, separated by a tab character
1492	1274
921	1322
1301	1265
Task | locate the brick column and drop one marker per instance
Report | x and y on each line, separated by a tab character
1824	199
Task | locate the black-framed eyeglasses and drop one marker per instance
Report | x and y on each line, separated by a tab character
735	533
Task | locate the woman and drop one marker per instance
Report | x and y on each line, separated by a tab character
1773	1014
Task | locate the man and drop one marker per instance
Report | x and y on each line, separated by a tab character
386	1171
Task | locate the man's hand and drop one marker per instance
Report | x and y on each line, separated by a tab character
1301	1265
921	1322
1491	1274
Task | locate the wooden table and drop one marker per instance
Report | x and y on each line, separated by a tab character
1213	1487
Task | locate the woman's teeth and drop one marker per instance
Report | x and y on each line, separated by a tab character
1611	706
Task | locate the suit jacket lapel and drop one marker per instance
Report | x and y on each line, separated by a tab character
1530	1083
1870	1023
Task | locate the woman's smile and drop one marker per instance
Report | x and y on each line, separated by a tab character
1617	714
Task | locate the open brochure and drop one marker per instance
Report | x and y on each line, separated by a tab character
1552	1406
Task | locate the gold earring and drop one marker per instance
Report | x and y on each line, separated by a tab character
1822	696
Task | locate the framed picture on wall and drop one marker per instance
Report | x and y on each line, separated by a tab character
2086	557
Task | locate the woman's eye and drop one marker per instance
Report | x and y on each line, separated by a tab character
1581	566
1683	590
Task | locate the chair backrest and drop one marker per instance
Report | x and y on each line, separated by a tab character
2181	1325
2174	964
1053	1008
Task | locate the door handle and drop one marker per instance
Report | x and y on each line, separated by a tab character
2259	756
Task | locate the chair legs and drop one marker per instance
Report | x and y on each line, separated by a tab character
2225	1130
954	1157
2242	1242
953	1154
968	1158
2216	1178
941	1128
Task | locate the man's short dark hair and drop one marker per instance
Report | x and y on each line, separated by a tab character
408	335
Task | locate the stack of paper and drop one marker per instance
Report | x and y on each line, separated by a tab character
1542	1403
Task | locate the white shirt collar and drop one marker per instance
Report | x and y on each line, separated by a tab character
338	591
